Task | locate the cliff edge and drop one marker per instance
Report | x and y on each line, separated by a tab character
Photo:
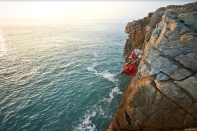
163	94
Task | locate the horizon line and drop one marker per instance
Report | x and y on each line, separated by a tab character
93	0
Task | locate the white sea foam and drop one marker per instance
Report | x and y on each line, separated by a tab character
114	91
101	111
67	65
111	77
86	46
91	69
87	123
95	54
105	74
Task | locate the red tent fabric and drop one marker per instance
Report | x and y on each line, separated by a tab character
129	70
133	55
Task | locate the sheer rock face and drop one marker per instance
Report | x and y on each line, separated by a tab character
163	94
137	31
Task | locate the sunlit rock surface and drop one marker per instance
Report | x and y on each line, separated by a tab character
163	94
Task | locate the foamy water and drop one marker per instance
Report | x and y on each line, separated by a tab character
86	46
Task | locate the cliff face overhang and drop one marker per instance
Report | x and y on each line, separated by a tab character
163	94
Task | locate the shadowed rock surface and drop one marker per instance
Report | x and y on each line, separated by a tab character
163	94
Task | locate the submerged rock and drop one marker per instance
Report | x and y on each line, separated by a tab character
163	94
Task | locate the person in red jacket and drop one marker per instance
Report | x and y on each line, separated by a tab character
130	68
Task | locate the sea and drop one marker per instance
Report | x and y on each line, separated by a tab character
60	75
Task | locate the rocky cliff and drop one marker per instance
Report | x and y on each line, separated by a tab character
163	94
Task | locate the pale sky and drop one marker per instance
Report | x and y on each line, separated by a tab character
103	10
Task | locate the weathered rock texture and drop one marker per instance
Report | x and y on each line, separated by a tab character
137	31
163	94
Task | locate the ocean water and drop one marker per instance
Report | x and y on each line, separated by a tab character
60	75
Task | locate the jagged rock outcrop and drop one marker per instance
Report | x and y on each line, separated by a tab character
137	31
163	94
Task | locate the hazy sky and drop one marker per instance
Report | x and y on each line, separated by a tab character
110	10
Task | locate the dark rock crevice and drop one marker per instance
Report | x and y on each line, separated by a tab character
176	103
188	93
